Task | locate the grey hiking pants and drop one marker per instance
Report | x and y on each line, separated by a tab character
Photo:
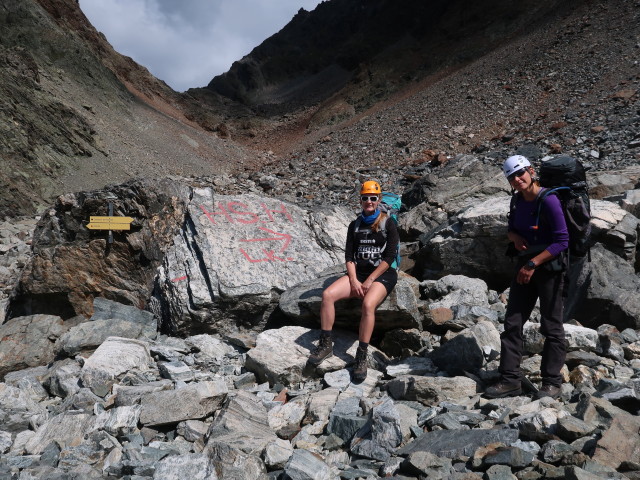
549	287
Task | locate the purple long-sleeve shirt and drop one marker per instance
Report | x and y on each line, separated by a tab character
552	228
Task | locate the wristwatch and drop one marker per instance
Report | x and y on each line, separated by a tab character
531	265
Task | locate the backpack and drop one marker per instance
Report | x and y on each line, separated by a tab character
565	177
390	204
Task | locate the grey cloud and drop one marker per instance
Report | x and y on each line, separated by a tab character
201	14
188	42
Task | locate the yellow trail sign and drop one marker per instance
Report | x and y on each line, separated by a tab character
110	223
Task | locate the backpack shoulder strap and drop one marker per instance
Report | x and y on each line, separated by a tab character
542	196
383	225
512	204
356	226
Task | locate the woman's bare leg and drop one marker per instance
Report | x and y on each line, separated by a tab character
374	297
338	290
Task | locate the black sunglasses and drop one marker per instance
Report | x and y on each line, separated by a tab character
517	173
369	198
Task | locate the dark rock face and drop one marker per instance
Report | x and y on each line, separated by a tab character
612	292
306	62
41	122
71	265
28	341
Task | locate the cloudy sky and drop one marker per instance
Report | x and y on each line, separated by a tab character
188	42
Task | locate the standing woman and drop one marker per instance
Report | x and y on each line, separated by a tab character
540	239
372	243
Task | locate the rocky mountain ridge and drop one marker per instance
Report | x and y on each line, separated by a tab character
372	45
569	87
78	115
567	82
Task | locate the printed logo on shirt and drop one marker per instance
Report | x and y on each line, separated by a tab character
372	255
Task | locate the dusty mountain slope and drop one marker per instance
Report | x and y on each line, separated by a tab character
76	115
570	84
372	48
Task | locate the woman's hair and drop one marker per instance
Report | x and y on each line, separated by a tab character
376	224
535	179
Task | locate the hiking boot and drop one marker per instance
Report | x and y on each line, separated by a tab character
360	366
548	390
503	389
322	351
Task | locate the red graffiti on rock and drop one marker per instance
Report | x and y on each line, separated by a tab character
270	254
238	212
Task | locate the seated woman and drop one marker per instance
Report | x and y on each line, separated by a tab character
371	246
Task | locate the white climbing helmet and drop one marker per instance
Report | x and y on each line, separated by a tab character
513	164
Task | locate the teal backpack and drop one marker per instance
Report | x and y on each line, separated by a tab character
390	204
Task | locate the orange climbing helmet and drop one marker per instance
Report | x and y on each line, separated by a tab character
370	187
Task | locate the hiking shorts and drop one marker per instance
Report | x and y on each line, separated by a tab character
388	279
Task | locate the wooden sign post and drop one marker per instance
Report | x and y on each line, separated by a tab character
110	223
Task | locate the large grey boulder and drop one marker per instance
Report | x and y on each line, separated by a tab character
65	429
472	243
109	319
105	309
615	228
63	377
29	341
612	293
431	390
236	253
193	466
243	424
619	443
114	357
230	462
281	355
461	182
286	418
576	338
305	465
457	443
119	420
454	290
131	395
379	438
90	335
17	410
399	310
469	350
538	424
630	201
277	454
611	183
423	219
190	402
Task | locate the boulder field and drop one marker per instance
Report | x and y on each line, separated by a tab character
180	348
